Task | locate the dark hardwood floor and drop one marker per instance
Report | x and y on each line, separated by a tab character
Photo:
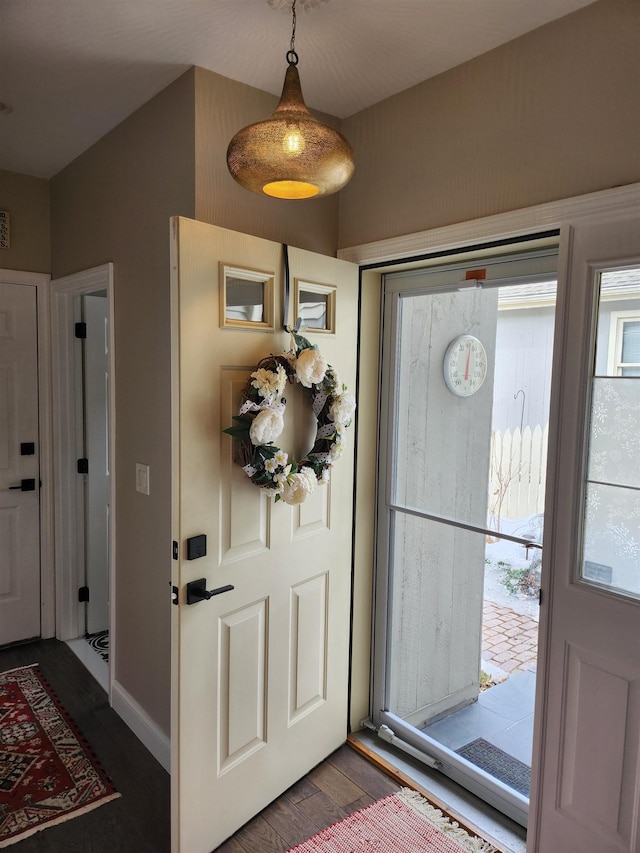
342	784
138	822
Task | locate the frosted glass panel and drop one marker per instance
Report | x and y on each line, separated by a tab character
612	537
614	455
611	541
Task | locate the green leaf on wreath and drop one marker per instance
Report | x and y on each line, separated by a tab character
237	432
303	343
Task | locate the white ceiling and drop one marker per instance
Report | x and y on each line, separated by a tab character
73	69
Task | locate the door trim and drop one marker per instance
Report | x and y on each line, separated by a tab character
382	256
41	281
617	202
67	495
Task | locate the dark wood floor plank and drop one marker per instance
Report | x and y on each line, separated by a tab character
322	810
289	821
372	780
259	836
301	790
335	784
231	846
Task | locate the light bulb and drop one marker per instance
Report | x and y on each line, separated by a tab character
293	142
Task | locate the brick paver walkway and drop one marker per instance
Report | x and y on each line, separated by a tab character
509	639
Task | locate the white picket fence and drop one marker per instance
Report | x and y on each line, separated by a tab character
518	471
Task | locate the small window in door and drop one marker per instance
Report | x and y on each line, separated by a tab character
315	305
246	298
611	533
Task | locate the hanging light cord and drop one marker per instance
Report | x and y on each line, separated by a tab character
292	56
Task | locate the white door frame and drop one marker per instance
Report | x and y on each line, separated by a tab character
68	496
41	282
385	256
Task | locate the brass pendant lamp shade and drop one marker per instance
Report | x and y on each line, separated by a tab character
291	154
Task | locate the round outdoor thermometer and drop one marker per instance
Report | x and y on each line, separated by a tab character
465	365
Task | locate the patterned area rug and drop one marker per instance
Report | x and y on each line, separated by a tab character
47	772
100	643
401	823
500	764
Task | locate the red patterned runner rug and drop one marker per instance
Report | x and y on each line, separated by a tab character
48	773
401	823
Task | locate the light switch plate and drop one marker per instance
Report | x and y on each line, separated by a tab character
142	478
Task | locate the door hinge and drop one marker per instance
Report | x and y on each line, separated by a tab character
81	330
174	593
174	550
83	593
27	448
540	596
83	466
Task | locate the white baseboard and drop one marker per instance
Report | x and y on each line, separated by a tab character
141	725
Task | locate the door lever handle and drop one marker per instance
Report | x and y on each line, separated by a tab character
197	591
25	486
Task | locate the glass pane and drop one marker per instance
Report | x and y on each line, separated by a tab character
614	451
631	342
611	539
476	455
312	309
245	300
464	628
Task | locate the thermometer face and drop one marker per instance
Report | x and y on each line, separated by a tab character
465	366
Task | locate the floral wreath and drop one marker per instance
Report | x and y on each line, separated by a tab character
261	420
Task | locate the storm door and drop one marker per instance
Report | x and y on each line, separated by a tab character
466	387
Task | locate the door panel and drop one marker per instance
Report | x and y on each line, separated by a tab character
587	796
19	510
259	691
96	405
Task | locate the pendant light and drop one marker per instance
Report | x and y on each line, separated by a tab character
291	154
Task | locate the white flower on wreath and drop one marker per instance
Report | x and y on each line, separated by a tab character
280	478
342	408
336	450
269	384
281	458
298	486
324	477
311	367
266	427
270	465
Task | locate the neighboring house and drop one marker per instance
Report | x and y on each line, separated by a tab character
521	387
461	146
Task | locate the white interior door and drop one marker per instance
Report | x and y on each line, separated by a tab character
96	420
259	673
19	468
586	797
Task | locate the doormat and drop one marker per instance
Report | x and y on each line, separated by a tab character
514	773
48	773
401	823
99	642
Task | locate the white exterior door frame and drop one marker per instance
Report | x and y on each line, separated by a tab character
68	496
41	282
384	256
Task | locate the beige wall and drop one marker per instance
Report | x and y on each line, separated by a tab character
113	204
27	201
551	115
223	107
